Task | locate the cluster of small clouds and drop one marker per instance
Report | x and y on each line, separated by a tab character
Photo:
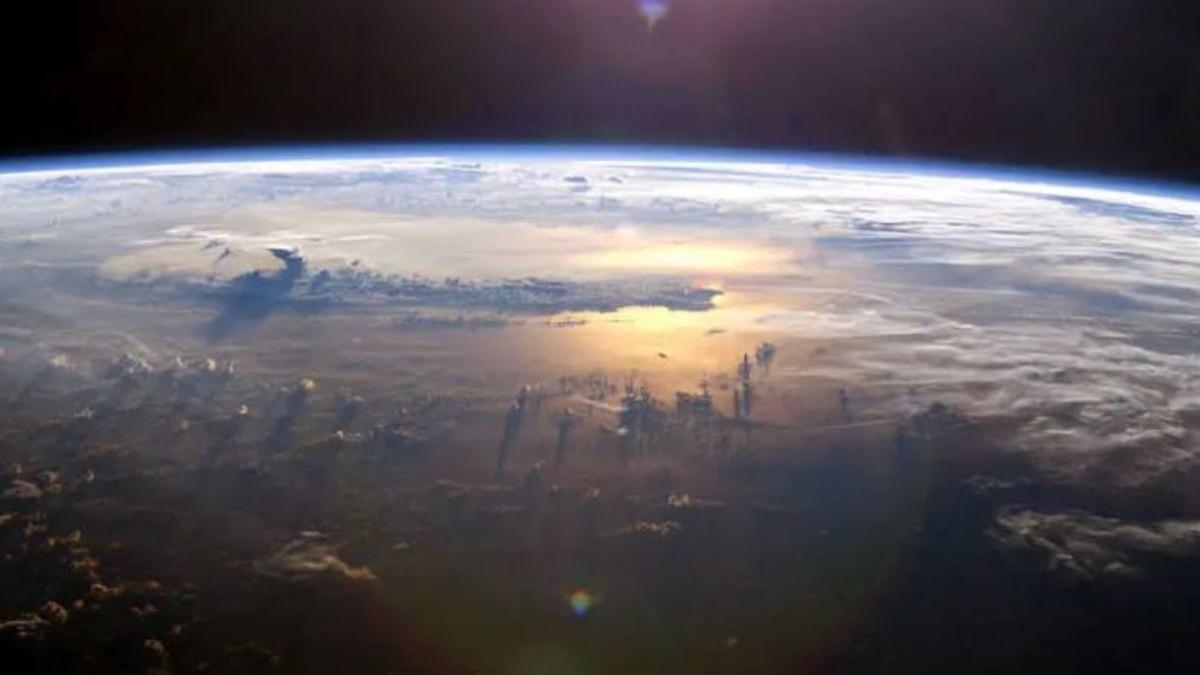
31	487
1088	547
650	529
1086	405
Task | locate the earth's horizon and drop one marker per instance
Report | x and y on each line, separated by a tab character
577	409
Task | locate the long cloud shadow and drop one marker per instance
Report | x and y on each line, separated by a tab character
251	297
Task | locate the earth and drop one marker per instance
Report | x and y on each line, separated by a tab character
571	410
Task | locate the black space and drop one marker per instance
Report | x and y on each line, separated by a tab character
1106	85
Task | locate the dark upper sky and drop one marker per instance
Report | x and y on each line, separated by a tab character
1112	85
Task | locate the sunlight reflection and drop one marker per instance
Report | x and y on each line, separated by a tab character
700	257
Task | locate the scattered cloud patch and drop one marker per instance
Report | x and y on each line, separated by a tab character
309	557
1089	547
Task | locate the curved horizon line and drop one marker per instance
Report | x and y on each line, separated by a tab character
331	152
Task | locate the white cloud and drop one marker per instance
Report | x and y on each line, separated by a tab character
309	557
1089	547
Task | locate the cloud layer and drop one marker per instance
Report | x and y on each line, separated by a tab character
1089	547
1067	309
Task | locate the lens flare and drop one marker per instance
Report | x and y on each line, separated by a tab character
580	602
652	11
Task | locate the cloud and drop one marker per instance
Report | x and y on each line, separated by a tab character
23	490
1125	211
253	296
1085	406
1065	311
309	557
1089	547
414	321
650	529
